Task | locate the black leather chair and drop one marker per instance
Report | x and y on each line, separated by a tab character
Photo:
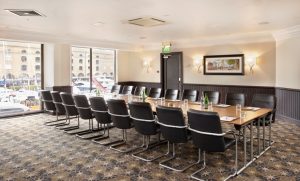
100	111
60	109
145	124
71	110
121	119
48	104
190	95
174	130
85	112
207	136
138	90
155	92
265	101
171	94
235	98
115	89
127	89
213	96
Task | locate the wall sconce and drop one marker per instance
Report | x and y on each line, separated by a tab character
251	62
146	65
198	64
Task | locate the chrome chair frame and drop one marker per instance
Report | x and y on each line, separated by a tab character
204	157
90	130
123	141
69	128
106	127
146	143
55	121
163	163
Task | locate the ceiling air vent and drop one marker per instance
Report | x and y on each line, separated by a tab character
25	12
146	22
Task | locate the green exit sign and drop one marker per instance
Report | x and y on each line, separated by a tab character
166	49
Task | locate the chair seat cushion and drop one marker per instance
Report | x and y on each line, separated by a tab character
228	142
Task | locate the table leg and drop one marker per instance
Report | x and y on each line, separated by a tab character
258	136
251	141
264	133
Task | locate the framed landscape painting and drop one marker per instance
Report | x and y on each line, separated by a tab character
224	64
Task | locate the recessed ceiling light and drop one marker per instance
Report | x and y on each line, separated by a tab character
98	23
143	37
25	12
264	23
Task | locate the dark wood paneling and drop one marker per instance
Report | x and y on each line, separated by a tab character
288	103
224	89
288	100
67	89
148	85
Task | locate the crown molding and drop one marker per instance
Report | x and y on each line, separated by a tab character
287	33
18	35
244	38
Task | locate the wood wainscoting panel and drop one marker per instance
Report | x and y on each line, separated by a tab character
288	103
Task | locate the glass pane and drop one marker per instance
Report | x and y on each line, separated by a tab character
20	77
80	70
103	69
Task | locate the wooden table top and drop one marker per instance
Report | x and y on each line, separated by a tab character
222	111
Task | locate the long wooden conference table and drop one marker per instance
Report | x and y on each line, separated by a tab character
250	115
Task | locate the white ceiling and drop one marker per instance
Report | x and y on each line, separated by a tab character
196	21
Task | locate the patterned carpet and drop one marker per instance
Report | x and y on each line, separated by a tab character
29	150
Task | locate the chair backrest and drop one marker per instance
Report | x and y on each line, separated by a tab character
172	124
115	89
155	92
206	130
142	116
60	109
69	104
265	101
127	89
190	95
171	94
83	106
47	100
119	113
138	90
99	109
213	96
235	98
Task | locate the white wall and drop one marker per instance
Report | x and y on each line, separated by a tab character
288	63
264	72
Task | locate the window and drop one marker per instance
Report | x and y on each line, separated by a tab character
72	68
37	52
37	67
104	76
23	58
18	76
37	59
24	67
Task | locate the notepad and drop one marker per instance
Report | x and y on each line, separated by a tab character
227	118
251	108
222	105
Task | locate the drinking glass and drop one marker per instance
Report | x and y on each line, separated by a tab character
243	114
185	104
162	101
238	109
210	106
